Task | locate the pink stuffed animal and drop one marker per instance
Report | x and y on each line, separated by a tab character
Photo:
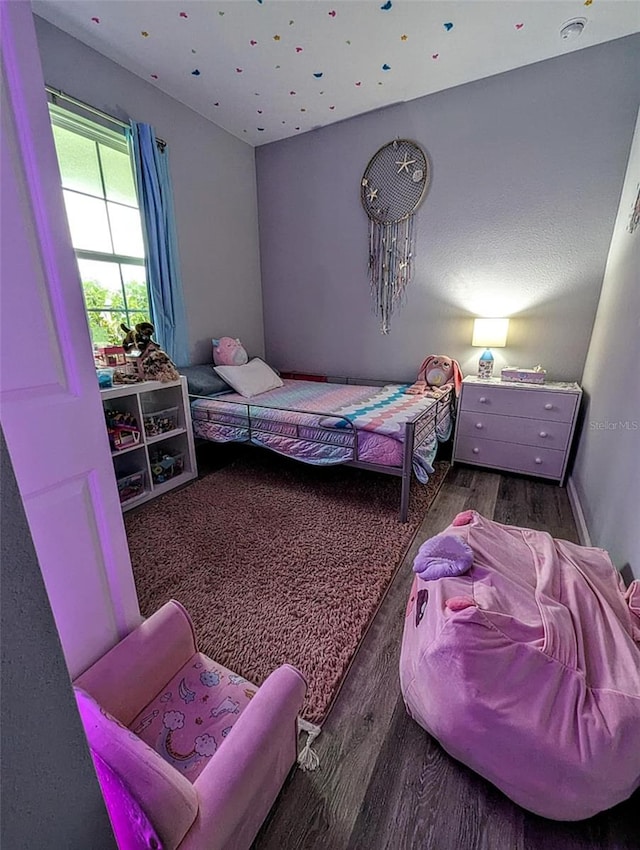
437	374
228	352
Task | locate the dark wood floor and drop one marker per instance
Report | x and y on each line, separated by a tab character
383	783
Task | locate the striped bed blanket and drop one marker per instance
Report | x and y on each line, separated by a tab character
386	411
316	422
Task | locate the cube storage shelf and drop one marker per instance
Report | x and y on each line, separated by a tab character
165	456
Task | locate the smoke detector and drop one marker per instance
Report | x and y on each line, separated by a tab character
573	28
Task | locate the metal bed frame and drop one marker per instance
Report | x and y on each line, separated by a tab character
417	431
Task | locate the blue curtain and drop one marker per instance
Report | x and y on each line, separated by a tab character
158	225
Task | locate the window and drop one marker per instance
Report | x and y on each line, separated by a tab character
104	220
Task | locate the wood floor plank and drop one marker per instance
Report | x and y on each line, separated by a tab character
427	800
383	782
541	505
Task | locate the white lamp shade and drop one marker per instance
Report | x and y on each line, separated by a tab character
490	333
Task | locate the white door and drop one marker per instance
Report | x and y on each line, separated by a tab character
49	399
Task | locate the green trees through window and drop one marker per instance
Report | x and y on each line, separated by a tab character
104	221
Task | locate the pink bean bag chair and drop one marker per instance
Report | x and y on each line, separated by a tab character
526	667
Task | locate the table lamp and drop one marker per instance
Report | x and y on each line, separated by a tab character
488	334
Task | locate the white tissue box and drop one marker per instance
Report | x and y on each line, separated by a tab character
524	376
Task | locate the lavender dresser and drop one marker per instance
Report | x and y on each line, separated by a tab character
524	428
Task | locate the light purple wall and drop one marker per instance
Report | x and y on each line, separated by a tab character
606	474
527	169
213	183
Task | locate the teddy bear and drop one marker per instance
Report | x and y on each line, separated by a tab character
152	363
229	352
437	374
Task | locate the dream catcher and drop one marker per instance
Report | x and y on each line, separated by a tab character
393	186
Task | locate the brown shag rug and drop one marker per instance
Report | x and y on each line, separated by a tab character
276	562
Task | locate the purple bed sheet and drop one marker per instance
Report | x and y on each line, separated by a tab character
301	420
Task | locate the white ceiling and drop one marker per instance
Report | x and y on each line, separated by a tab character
268	69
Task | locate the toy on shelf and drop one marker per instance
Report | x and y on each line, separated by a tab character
130	486
165	465
105	377
160	421
109	355
151	362
122	428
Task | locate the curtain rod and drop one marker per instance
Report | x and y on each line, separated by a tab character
63	96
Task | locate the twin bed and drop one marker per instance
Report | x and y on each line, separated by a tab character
382	429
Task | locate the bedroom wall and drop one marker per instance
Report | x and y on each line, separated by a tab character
214	190
526	174
606	474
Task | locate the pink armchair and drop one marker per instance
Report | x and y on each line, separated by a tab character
189	755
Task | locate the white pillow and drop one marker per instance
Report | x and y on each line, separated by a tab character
253	378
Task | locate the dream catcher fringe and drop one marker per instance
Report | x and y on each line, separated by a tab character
390	255
392	188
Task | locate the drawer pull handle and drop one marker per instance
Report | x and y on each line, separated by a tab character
482	399
476	450
479	425
543	433
538	460
548	406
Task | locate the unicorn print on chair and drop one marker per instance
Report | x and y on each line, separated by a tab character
227	706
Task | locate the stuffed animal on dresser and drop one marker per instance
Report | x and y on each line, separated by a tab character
152	363
436	375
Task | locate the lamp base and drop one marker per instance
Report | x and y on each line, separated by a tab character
485	365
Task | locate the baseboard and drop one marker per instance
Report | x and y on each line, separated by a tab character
578	514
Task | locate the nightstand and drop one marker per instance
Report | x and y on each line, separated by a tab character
517	427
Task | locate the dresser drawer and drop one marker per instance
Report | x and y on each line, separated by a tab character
511	401
513	429
515	457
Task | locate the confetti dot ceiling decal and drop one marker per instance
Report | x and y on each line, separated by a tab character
365	55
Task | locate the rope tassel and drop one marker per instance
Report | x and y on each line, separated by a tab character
308	759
